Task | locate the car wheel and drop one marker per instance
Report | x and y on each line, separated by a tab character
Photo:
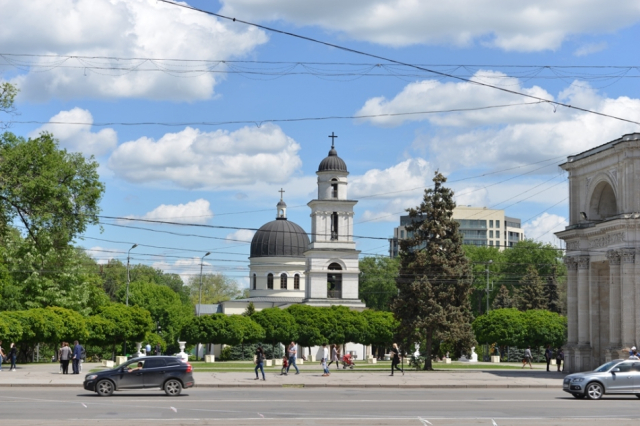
594	390
578	395
638	395
172	387
104	388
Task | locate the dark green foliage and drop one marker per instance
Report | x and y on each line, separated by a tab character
479	258
278	324
216	288
506	327
311	324
222	329
344	325
377	285
530	293
434	282
503	299
551	293
251	309
380	328
511	327
246	352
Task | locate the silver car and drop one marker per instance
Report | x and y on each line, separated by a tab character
615	377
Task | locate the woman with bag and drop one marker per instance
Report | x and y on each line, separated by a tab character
259	363
527	357
13	354
65	355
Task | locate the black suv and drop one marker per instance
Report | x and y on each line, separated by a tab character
165	372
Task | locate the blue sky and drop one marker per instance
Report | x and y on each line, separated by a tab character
229	174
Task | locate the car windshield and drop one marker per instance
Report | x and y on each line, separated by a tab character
606	367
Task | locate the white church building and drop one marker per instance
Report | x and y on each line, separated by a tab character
288	266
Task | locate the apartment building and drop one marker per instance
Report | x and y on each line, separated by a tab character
479	226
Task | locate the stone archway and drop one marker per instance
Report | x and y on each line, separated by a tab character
603	203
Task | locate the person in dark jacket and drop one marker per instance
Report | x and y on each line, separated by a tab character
559	359
259	362
548	354
64	355
77	356
13	354
395	359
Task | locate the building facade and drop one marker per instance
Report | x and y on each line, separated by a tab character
478	225
602	240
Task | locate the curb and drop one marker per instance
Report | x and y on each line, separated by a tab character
302	385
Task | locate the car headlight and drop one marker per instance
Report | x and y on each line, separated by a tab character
577	380
91	377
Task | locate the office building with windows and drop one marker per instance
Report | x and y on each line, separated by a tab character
479	226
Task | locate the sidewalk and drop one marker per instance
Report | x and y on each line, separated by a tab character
48	375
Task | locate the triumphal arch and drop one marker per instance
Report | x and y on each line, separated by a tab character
603	253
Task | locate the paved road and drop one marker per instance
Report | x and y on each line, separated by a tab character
304	406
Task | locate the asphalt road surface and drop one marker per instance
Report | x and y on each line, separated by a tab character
313	406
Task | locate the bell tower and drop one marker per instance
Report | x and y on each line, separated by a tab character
332	259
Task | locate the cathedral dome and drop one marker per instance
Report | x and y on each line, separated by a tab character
279	238
332	163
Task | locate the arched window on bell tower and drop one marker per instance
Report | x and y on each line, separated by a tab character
254	281
334	226
334	188
334	281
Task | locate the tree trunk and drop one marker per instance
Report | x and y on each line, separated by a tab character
427	359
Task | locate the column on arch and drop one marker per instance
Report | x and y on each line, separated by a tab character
572	299
615	301
583	300
627	289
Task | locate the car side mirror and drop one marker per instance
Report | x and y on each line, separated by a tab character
615	370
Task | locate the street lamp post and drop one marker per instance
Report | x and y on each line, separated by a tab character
128	282
200	297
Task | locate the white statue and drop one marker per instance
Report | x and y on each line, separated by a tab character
474	355
182	354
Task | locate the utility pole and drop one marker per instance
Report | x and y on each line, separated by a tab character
199	348
128	282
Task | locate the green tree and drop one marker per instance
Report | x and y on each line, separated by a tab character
251	309
434	281
544	328
481	259
124	323
53	194
278	324
530	293
164	305
10	328
551	293
378	281
312	323
216	288
503	299
346	326
381	327
8	93
505	327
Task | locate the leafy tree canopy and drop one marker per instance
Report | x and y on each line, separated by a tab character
278	324
216	288
378	281
381	327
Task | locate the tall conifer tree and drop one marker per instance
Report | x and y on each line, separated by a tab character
531	295
503	299
551	292
434	281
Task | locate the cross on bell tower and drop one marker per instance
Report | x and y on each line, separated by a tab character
333	138
282	191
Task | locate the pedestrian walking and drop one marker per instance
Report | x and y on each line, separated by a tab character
158	350
13	354
285	363
259	362
2	356
325	357
334	356
548	354
292	352
527	357
77	357
560	359
147	349
395	359
64	355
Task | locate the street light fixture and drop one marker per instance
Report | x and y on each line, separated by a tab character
200	297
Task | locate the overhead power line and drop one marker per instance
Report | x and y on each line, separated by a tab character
259	123
371	55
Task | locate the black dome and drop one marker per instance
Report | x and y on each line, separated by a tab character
279	238
332	163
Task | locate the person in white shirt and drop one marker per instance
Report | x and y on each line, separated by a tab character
325	358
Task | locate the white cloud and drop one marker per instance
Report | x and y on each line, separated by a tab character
543	228
102	255
198	211
590	48
240	236
210	160
118	28
505	137
409	174
472	196
79	138
508	25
